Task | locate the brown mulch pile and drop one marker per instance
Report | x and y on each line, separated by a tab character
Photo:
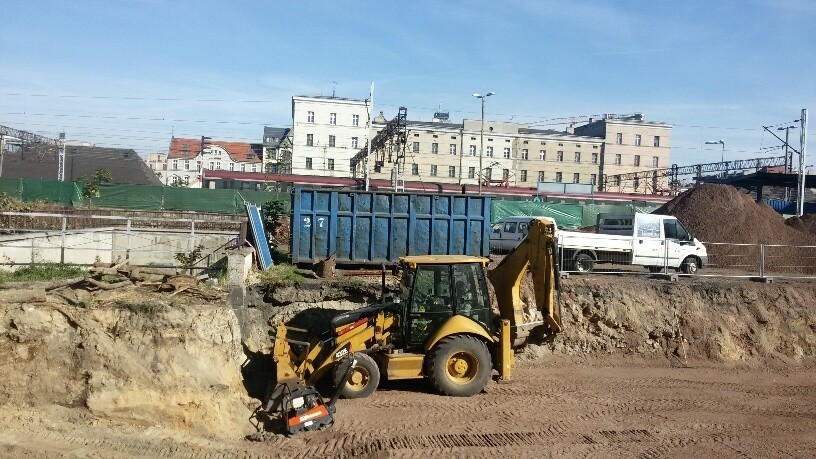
806	223
720	213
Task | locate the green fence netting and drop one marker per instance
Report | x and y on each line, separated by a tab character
139	197
568	216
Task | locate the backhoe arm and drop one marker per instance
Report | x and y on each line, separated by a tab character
536	252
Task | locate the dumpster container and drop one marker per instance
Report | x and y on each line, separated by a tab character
362	227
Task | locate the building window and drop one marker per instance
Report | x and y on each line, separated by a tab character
505	174
355	120
617	180
218	165
525	154
415	169
618	159
332	140
416	147
655	162
243	167
594	158
488	174
433	170
212	165
451	171
435	148
186	180
522	175
471	172
506	153
175	164
332	118
558	177
559	156
593	178
637	160
472	150
254	168
232	166
309	140
540	176
657	140
576	178
490	152
187	165
542	155
308	163
636	183
637	140
577	156
310	117
198	166
619	138
453	148
354	142
330	164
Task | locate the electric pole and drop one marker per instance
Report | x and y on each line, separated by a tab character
800	209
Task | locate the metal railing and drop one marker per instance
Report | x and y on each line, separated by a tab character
37	237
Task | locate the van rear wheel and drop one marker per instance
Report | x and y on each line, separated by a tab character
583	263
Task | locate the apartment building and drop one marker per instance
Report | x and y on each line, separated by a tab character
277	150
189	159
330	138
327	132
630	144
513	155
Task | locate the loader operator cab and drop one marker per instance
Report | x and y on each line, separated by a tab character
435	288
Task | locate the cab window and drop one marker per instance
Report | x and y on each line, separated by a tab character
510	227
470	293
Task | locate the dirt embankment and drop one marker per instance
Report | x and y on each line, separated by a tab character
723	321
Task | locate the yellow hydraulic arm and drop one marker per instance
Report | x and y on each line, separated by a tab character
536	253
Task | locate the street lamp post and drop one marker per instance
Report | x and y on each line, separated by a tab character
481	136
722	155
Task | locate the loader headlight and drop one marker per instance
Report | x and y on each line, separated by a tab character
297	402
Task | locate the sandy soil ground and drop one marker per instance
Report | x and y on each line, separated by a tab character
564	408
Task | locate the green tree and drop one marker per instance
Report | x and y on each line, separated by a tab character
92	186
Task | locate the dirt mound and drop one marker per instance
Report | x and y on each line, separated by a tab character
720	213
805	223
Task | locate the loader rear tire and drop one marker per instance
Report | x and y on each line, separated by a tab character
460	366
363	380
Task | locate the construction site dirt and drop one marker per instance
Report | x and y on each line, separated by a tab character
643	368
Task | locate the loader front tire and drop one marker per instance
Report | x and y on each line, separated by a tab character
363	380
460	366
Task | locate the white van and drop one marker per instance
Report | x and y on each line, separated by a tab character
508	232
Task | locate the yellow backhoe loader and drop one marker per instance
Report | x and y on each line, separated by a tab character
441	327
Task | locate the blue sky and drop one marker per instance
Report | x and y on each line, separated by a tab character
131	74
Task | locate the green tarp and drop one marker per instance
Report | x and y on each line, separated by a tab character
566	216
139	197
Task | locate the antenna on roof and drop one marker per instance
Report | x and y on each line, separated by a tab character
334	84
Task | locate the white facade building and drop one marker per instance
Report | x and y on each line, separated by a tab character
328	132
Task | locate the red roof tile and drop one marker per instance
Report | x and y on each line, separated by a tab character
241	152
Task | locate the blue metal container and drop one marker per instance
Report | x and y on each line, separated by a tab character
360	227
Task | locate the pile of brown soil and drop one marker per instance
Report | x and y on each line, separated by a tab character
720	213
806	223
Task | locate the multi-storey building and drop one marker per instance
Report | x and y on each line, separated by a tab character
630	144
277	150
157	162
328	132
512	155
189	159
